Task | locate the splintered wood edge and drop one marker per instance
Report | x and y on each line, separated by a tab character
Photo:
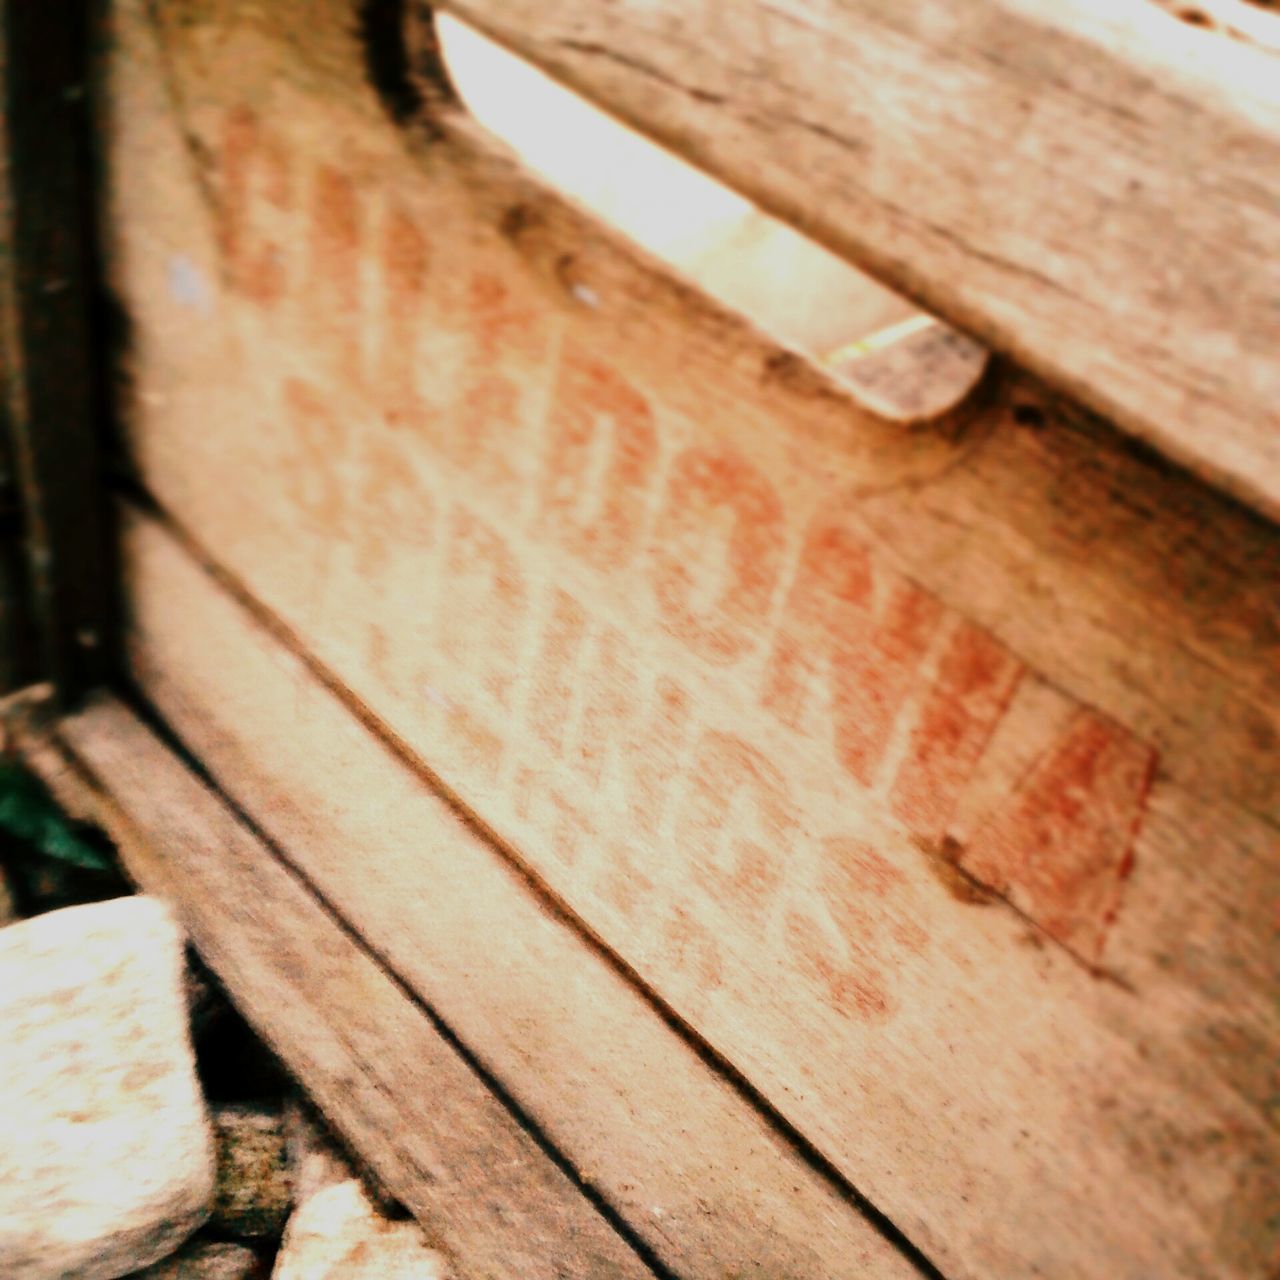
483	1188
915	373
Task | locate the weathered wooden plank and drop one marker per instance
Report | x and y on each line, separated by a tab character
699	1174
487	1193
48	364
770	695
900	363
1092	187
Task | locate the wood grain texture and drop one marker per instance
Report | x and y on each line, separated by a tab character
1091	187
879	757
913	370
485	1191
699	1174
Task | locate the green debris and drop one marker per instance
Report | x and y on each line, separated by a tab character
29	814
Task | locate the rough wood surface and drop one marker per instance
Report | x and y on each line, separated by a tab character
914	369
1092	187
933	778
488	1195
709	1186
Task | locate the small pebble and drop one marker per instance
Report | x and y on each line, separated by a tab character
253	1193
338	1234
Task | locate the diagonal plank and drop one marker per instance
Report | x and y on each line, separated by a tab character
1091	187
483	1188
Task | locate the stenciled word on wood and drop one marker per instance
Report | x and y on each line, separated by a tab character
908	698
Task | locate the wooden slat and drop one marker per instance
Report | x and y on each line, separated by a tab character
487	1194
697	1172
1090	186
880	758
899	362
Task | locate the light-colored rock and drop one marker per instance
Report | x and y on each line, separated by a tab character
253	1193
338	1234
205	1260
106	1159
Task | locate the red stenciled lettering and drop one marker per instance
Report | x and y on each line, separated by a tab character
555	675
693	949
611	711
478	747
378	650
655	762
405	262
571	829
480	627
738	823
622	881
843	945
398	515
976	679
253	161
1061	846
332	302
864	645
525	790
554	819
314	479
708	487
603	449
501	331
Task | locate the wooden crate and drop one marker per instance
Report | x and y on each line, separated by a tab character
678	820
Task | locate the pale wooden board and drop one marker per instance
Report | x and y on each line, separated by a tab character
487	1194
789	285
395	416
699	1174
1091	186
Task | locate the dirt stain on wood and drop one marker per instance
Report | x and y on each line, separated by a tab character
942	858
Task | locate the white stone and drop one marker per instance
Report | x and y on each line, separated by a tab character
338	1234
106	1158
